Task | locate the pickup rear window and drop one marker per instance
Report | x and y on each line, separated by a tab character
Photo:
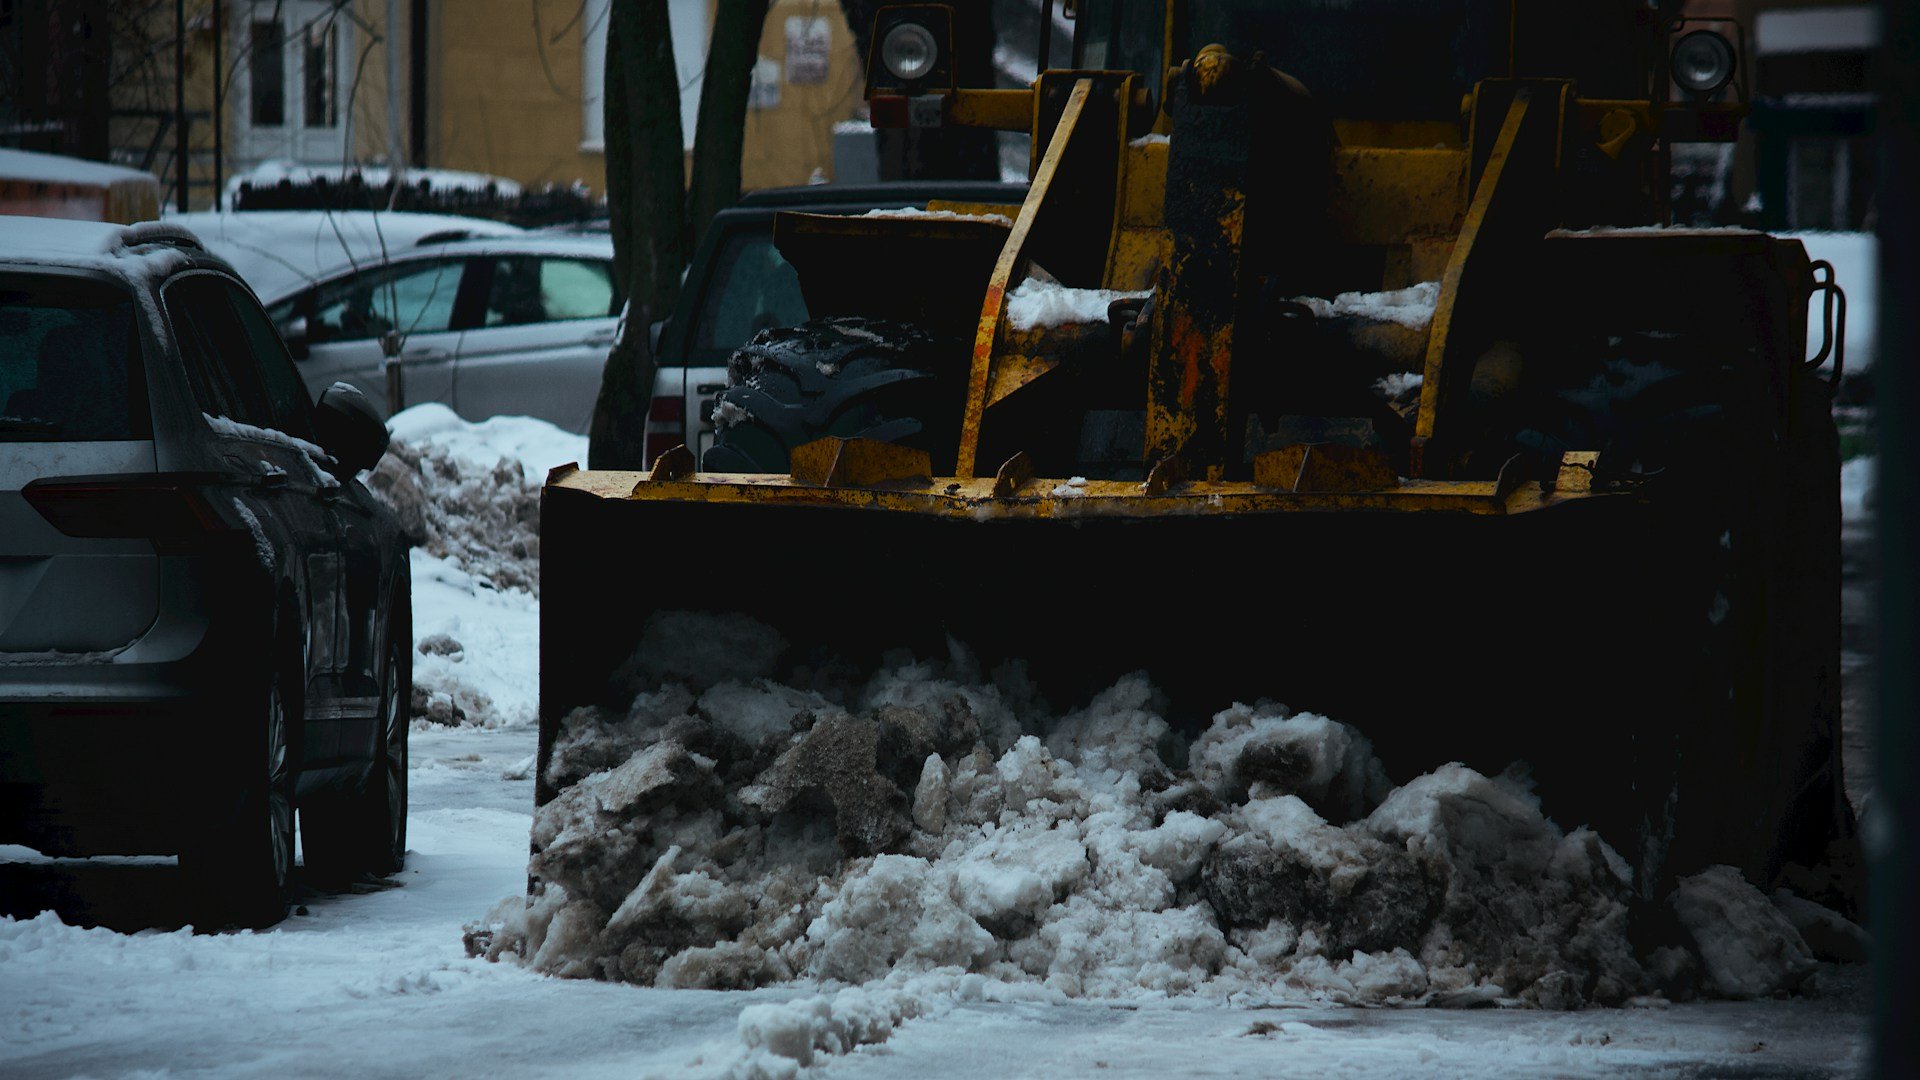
752	289
69	362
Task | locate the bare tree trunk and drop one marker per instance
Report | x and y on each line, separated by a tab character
646	200
721	132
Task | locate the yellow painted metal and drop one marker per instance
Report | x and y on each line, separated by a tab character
1000	110
1398	134
1140	243
1325	467
1014	473
1392	196
975	209
674	464
1440	333
858	463
974	499
1009	267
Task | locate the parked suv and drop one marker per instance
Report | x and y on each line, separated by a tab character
506	324
739	285
203	613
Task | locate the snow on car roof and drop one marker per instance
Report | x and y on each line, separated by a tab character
34	239
536	243
144	252
279	251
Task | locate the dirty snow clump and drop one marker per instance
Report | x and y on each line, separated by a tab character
1043	305
1411	307
737	823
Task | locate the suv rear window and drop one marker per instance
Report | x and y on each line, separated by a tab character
69	362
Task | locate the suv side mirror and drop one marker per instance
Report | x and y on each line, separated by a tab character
349	428
294	333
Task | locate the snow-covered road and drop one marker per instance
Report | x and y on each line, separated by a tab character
376	982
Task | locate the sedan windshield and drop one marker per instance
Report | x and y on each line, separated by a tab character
69	362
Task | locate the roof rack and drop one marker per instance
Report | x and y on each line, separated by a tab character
159	232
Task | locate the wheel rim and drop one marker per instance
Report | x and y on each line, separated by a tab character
279	802
395	722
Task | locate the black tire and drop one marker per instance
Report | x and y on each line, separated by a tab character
843	376
238	871
365	832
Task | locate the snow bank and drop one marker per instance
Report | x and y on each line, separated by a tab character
535	445
1042	305
468	497
727	829
1411	307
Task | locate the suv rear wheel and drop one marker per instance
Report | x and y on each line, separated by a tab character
365	832
237	873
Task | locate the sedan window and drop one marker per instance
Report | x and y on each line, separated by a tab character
412	298
531	289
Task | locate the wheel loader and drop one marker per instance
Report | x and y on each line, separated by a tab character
1340	354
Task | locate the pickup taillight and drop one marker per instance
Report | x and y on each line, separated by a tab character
666	425
157	507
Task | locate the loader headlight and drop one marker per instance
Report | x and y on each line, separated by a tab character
1703	61
909	51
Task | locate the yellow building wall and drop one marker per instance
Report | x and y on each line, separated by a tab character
504	92
495	107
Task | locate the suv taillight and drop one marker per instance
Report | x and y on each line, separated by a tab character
666	425
158	507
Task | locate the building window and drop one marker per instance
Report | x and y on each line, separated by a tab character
688	19
319	71
267	105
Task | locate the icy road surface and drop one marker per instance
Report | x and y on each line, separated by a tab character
376	982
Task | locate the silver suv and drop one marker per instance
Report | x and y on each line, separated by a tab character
203	613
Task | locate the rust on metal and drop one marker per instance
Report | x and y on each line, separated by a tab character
1166	474
673	464
858	463
1014	474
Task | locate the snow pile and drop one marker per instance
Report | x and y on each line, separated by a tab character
470	492
728	829
1411	307
1043	305
468	497
1748	946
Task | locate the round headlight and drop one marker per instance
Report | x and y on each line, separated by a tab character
909	51
1702	62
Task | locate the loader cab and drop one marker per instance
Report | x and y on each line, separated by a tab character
1379	60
